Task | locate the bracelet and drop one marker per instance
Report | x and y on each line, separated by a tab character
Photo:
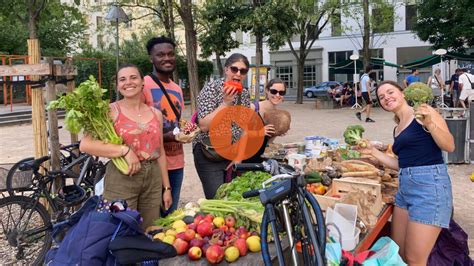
127	151
167	188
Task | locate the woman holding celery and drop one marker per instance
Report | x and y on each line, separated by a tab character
146	184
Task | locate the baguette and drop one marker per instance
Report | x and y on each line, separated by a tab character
360	174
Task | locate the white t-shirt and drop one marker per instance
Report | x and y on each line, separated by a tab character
363	82
463	79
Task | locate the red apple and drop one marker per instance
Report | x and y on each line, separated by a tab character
232	230
198	219
204	229
229	221
181	246
241	245
192	226
224	228
194	253
189	235
181	236
214	254
197	243
209	218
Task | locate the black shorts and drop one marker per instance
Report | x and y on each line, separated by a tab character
366	97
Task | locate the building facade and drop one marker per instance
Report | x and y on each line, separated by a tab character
399	46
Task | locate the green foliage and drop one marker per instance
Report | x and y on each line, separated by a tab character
418	93
446	24
218	21
60	27
353	134
247	181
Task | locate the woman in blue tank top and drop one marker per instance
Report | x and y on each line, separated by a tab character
423	204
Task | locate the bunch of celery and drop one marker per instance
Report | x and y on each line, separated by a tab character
87	110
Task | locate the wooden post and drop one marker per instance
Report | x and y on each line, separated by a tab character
71	85
37	105
52	121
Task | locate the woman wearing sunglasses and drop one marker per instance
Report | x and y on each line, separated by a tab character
275	91
213	98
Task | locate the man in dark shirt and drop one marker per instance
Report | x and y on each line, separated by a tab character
454	87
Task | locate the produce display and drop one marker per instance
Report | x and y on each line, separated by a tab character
214	238
86	109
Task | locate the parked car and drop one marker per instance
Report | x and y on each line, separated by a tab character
319	90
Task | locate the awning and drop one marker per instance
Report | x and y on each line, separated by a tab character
347	66
436	59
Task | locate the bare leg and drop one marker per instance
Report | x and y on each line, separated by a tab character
399	228
419	242
369	108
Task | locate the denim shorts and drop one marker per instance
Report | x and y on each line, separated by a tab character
425	192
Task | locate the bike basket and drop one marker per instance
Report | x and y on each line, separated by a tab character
22	179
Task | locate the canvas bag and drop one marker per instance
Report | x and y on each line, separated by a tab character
89	234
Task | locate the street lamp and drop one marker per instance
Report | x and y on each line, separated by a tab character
117	15
354	57
441	52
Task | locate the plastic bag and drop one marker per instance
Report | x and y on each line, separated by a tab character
386	253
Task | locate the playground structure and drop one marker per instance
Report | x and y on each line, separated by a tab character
14	87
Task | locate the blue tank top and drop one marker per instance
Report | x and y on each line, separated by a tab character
416	147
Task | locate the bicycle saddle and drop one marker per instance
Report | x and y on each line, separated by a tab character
33	164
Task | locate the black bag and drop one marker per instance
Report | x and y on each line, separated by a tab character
139	249
209	151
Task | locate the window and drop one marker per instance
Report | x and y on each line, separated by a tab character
285	73
337	57
100	41
99	22
336	29
383	19
410	17
309	76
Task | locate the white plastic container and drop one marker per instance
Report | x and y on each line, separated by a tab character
349	243
349	212
297	161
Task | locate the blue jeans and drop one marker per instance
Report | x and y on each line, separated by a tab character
425	192
176	179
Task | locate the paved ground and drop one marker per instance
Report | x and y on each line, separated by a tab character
16	142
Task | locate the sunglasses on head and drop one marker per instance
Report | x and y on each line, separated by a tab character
243	71
275	91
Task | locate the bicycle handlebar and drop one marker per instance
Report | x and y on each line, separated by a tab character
249	167
250	193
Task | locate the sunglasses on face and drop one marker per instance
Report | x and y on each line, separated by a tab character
275	91
243	71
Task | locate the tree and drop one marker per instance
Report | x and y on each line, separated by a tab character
185	10
58	27
307	19
446	24
373	20
217	21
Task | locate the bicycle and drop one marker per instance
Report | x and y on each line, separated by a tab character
289	208
25	222
18	182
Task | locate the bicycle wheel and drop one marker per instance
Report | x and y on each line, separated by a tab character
25	234
19	181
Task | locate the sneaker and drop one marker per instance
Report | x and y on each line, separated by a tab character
358	115
368	120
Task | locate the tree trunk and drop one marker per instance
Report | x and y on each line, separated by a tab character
300	82
258	62
219	64
185	11
366	35
170	31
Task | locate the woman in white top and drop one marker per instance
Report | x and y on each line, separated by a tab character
436	83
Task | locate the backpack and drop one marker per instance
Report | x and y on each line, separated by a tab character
89	232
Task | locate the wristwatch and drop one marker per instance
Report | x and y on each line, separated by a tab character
167	188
